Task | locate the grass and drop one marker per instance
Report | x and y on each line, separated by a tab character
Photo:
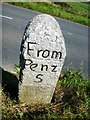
74	11
71	100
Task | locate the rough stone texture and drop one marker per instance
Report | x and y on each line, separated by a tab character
41	59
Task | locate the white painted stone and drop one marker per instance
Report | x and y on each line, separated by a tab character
41	59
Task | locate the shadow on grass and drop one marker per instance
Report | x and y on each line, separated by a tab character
10	84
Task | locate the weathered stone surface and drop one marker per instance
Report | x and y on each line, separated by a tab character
41	59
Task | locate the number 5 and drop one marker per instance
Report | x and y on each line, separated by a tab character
38	77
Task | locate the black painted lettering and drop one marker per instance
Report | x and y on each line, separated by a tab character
28	62
38	53
39	77
45	53
54	68
33	66
28	47
42	67
56	54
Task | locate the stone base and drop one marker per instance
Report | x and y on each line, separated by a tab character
31	94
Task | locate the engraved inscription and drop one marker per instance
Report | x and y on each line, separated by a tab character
42	56
39	77
44	53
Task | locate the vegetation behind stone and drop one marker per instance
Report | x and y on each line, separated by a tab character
73	11
71	100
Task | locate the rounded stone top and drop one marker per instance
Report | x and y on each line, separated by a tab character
45	20
43	45
42	56
45	30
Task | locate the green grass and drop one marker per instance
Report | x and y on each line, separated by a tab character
74	11
71	100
